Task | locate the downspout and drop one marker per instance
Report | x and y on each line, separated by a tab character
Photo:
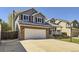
13	21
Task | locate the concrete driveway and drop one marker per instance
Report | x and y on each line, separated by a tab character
11	46
49	45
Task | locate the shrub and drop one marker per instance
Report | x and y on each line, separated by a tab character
64	35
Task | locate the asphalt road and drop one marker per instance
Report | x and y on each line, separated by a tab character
11	46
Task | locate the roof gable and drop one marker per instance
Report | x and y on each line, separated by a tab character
29	12
60	20
39	14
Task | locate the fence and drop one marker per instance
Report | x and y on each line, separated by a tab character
9	35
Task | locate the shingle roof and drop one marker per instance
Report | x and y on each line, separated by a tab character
62	20
20	12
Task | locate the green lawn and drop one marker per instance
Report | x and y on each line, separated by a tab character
74	40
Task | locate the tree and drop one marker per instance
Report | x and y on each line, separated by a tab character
10	18
5	26
0	20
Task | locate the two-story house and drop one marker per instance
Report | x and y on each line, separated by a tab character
55	28
75	24
31	24
66	27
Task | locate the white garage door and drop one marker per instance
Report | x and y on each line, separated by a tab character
34	33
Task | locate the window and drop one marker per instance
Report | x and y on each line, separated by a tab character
76	24
25	17
36	19
67	25
42	20
39	20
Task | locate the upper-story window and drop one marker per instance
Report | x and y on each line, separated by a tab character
25	17
67	25
39	20
76	24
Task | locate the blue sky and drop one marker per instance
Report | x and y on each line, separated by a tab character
66	13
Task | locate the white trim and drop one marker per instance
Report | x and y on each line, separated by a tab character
33	19
35	26
16	22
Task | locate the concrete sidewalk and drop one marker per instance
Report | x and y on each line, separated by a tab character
49	45
11	46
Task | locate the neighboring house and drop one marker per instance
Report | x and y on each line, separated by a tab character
65	27
55	28
75	24
31	24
